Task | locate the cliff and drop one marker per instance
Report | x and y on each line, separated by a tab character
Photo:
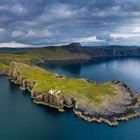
4	69
102	51
112	51
108	102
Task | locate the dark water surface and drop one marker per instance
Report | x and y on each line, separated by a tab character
21	119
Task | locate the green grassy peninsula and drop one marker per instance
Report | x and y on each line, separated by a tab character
107	102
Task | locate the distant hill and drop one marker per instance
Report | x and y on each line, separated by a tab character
72	51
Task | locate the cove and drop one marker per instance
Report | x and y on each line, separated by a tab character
21	119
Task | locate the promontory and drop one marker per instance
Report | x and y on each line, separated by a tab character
108	102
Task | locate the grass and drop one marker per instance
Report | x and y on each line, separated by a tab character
81	90
9	56
41	53
4	64
54	54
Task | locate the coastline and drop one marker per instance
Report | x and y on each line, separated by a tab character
124	117
59	102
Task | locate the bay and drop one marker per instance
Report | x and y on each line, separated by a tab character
21	119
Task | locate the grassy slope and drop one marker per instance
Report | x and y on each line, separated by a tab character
4	65
4	68
81	90
10	56
42	53
55	54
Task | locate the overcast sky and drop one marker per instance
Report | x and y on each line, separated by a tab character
90	22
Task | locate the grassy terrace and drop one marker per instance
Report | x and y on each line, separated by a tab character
4	64
11	57
81	90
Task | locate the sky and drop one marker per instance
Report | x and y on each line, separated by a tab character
26	23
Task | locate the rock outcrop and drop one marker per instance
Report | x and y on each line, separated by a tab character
4	71
122	108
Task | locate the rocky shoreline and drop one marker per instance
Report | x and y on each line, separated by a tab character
119	109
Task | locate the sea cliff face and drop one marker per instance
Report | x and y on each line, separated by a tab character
103	51
4	70
119	107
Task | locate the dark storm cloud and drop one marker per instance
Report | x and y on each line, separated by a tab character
39	22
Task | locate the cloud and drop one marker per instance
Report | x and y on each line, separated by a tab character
45	22
39	34
14	45
17	33
2	31
89	39
121	39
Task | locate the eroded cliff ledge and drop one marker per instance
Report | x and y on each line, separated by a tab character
4	69
108	102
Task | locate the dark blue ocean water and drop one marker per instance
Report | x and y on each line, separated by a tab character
21	119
